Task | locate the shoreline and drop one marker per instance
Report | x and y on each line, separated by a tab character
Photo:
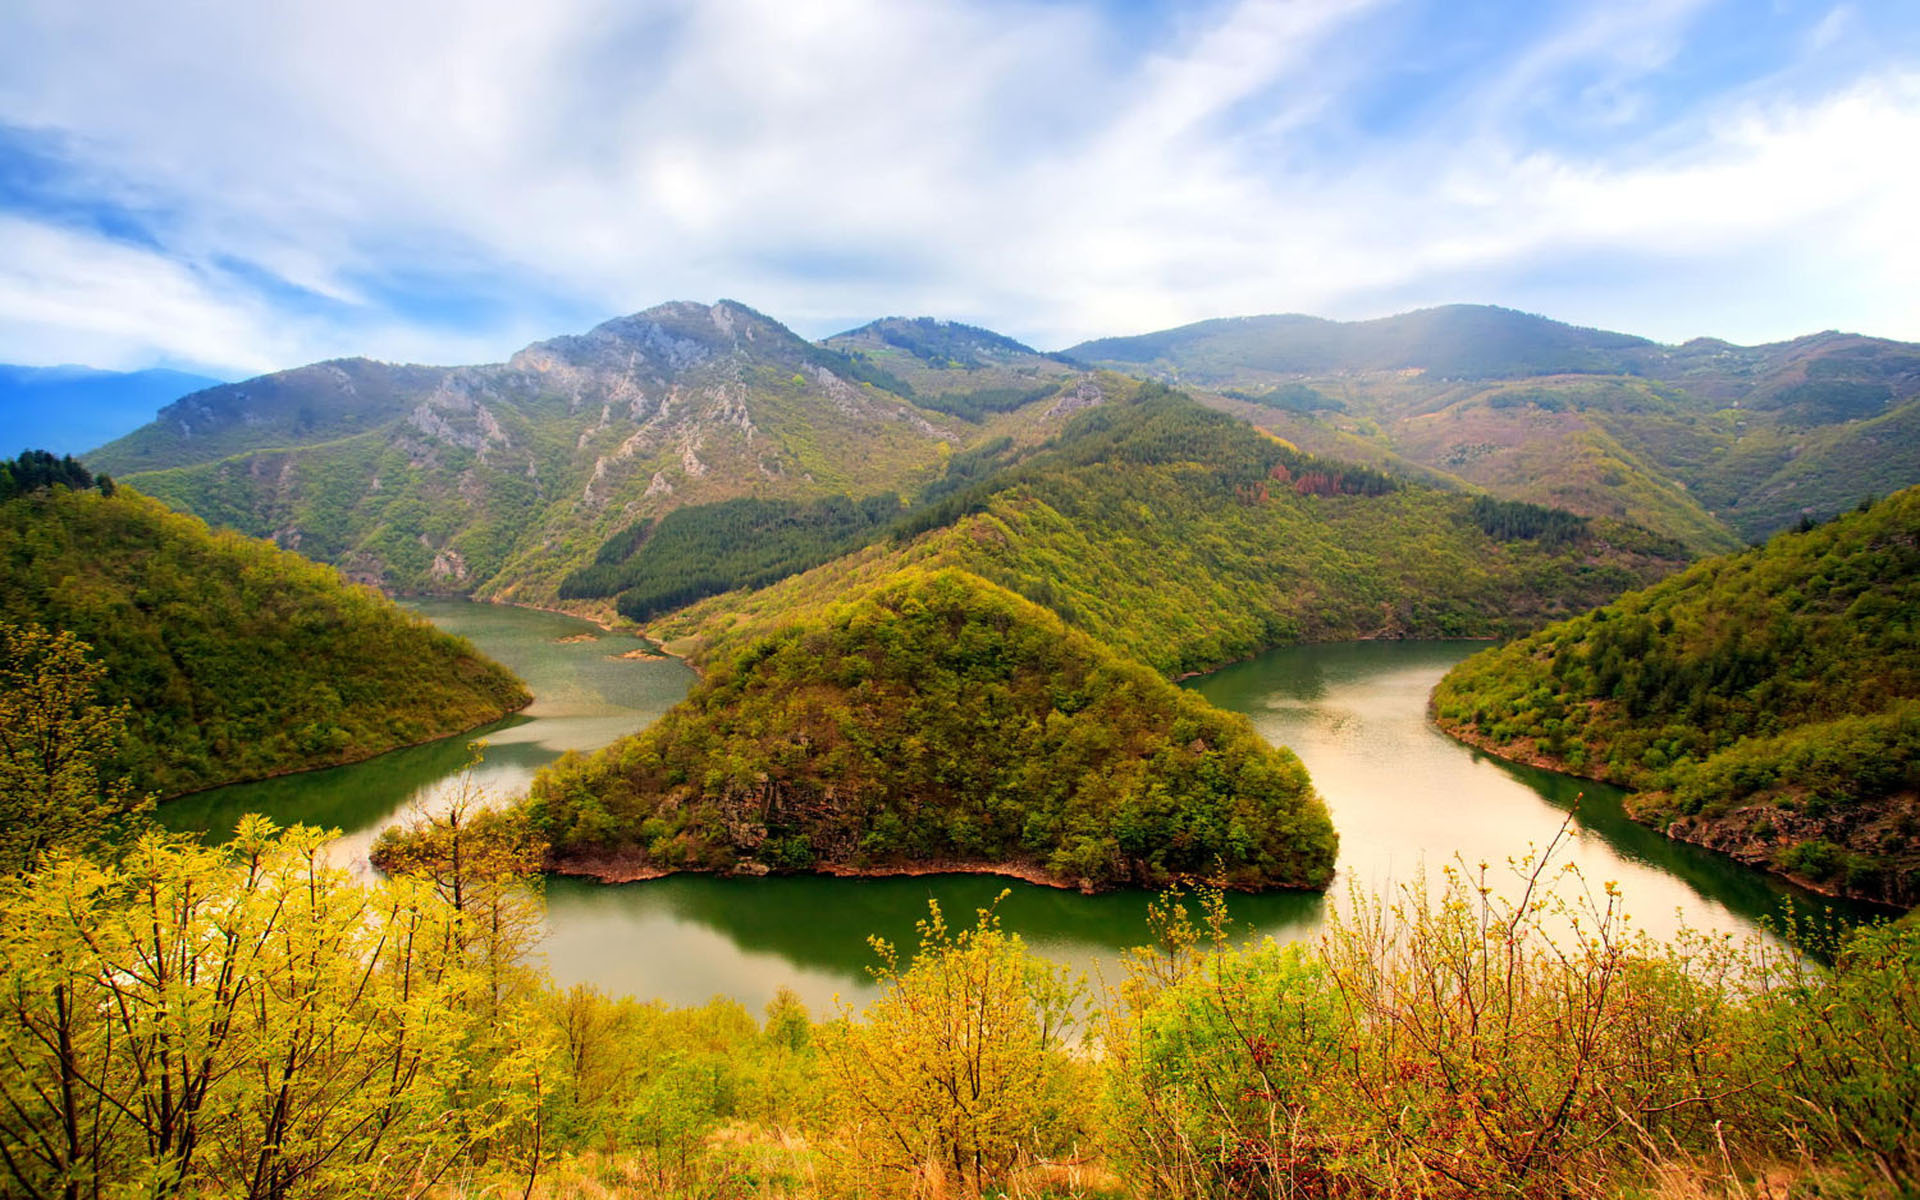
628	867
349	762
1527	756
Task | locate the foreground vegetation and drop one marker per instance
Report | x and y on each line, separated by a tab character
1768	703
249	1021
936	718
235	659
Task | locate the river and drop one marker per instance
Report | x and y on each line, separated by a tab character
1407	802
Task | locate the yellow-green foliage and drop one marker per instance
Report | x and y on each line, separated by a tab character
1772	692
1188	540
939	717
237	659
244	1021
249	1022
55	738
1454	1044
961	1066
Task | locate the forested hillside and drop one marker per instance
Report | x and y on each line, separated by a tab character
1188	539
1708	442
237	659
500	480
1767	703
937	719
969	372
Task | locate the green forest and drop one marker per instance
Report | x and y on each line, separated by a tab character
235	659
1766	703
1188	539
656	566
936	718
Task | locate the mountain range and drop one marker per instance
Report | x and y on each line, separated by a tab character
1710	442
71	409
503	480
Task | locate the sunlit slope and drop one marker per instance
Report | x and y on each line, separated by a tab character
237	659
1768	702
935	719
1187	539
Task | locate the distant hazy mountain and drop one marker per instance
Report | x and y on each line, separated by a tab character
501	479
70	410
1460	341
1709	442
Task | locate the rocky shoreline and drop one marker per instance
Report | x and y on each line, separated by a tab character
1737	833
632	867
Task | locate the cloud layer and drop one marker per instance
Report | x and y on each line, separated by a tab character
247	186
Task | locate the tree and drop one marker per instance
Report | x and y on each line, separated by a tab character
56	740
243	1017
959	1068
484	864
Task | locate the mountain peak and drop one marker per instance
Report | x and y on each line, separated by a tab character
935	342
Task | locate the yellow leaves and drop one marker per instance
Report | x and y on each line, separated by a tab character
230	1011
959	1060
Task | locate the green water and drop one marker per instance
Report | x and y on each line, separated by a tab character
585	695
1406	800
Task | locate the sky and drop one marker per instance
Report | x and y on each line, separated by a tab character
236	187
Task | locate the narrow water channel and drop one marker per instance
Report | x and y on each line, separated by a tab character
1407	801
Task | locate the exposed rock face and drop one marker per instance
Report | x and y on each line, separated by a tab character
1085	395
1763	835
522	466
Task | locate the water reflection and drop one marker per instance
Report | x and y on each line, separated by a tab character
746	937
1406	799
587	692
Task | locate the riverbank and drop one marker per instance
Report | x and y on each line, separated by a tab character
352	760
1754	836
631	867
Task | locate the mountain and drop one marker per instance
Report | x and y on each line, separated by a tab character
981	681
1188	539
555	476
1707	442
238	660
499	480
1460	341
969	372
1766	703
935	719
72	409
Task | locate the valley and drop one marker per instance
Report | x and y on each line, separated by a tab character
1405	797
953	623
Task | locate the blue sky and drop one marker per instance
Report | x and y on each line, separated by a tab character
237	187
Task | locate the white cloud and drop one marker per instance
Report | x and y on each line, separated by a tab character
66	297
998	162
